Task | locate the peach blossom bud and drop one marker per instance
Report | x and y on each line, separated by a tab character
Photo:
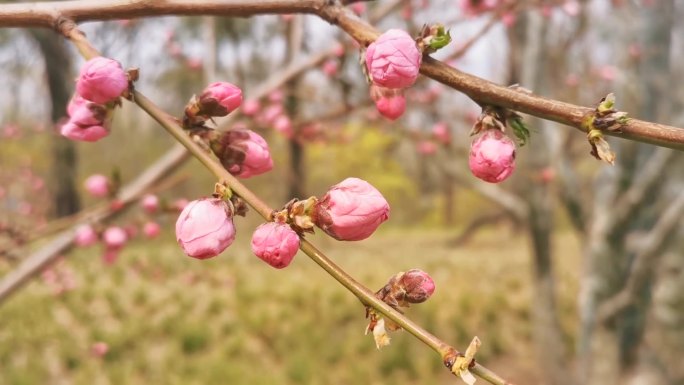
358	8
283	125
220	99
338	49
151	229
351	210
418	285
150	203
330	67
194	64
85	236
440	131
492	156
114	237
251	107
244	153
275	243
393	60
99	349
86	122
276	96
101	80
572	7
271	112
474	7
205	228
427	147
391	107
97	185
508	19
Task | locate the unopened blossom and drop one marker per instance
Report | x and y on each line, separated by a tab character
101	80
244	153
427	147
97	185
474	7
251	107
271	113
114	237
391	107
85	236
283	125
393	60
151	229
276	96
205	228
330	67
220	99
99	349
87	121
150	203
109	256
351	210
492	156
275	243
418	286
440	131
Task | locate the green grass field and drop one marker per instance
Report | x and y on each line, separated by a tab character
169	319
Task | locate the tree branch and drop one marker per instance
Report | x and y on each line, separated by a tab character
51	14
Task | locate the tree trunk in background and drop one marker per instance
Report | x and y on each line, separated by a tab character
609	352
527	68
297	177
62	179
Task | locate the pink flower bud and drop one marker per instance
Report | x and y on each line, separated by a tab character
114	237
275	243
358	8
251	107
351	210
97	185
244	153
220	99
338	49
427	147
492	156
270	114
101	80
283	125
150	203
440	131
110	256
151	229
330	67
86	122
85	236
276	96
99	349
391	107
418	286
205	228
393	60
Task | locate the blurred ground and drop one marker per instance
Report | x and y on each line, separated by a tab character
169	319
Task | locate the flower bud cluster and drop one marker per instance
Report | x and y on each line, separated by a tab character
100	83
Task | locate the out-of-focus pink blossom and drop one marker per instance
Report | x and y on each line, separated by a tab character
114	237
109	256
101	80
283	125
150	203
151	229
116	204
572	7
269	115
330	67
220	99
85	236
194	63
10	131
25	208
440	131
338	49
427	147
391	107
275	243
358	8
287	17
475	7
251	107
351	210
99	349
508	19
608	72
393	60
276	96
492	156
205	228
572	80
180	203
97	185
407	12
